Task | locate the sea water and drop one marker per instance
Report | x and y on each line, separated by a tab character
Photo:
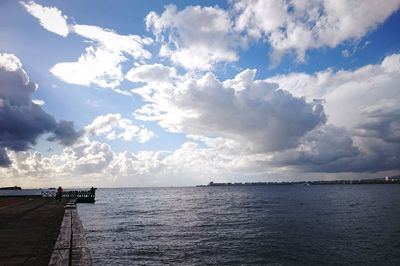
246	225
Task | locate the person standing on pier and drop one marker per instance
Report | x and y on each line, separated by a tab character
59	193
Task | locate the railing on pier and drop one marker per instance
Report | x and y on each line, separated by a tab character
81	196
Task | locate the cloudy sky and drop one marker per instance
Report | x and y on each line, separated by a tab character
171	93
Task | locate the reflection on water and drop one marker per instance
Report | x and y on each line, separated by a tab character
278	225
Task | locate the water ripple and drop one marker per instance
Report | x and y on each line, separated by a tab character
285	225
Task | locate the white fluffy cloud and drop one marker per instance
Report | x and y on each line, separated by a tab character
127	44
253	112
84	158
49	17
100	65
299	25
97	66
155	73
115	126
38	102
96	162
196	37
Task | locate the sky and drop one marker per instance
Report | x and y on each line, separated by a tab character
178	93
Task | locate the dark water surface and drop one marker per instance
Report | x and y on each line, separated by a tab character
264	225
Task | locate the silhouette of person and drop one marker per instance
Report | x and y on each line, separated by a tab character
59	193
92	190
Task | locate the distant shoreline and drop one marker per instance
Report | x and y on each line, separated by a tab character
386	180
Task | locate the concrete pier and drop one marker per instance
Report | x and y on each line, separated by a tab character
29	228
41	231
71	246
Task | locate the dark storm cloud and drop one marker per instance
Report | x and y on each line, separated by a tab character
332	149
382	124
326	148
65	133
4	160
21	120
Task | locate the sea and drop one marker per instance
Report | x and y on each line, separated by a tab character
245	225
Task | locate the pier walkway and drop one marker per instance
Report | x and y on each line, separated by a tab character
41	231
29	228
